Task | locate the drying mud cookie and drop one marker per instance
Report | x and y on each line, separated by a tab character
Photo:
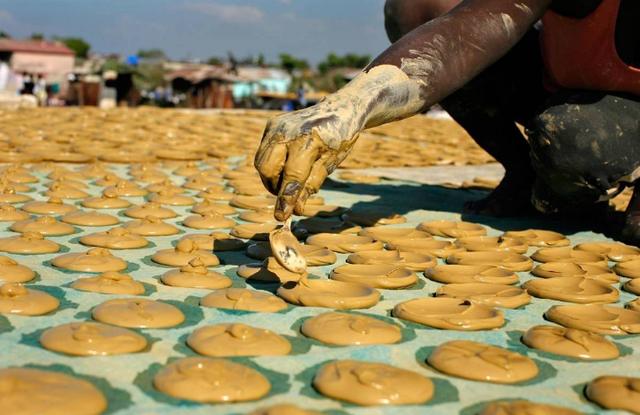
8	194
410	260
614	251
284	409
573	289
185	251
208	206
167	197
15	298
596	318
343	244
253	202
209	220
569	342
93	260
329	293
216	241
195	275
81	218
432	247
568	254
124	188
482	362
138	313
28	243
237	339
109	282
382	276
244	299
507	260
255	231
11	271
108	200
632	286
53	206
43	392
634	305
451	229
359	178
9	213
521	407
115	238
322	211
151	226
387	234
569	269
45	225
462	274
449	314
257	216
539	237
215	195
368	383
320	225
615	392
209	380
492	243
268	271
91	339
493	295
373	218
57	189
345	329
629	269
150	209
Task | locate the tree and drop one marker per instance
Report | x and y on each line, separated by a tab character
350	60
36	36
78	45
214	60
154	53
291	63
4	35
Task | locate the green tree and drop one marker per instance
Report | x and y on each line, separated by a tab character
154	53
291	63
214	60
37	36
350	60
78	45
4	35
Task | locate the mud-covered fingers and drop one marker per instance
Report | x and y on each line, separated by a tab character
269	162
314	182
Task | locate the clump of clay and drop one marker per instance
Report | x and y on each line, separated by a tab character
151	226
461	274
15	298
11	271
449	314
451	229
574	343
53	206
244	299
185	251
81	218
138	313
45	225
573	290
615	392
507	260
216	241
329	293
596	318
109	282
343	244
196	275
115	238
9	213
28	243
93	260
521	407
150	209
493	295
237	339
344	329
382	276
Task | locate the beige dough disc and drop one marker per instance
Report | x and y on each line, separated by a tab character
568	254
65	191
109	282
54	206
106	201
215	195
410	260
573	289
368	383
185	251
492	243
196	275
91	339
359	178
449	314
150	209
257	216
382	276
574	343
284	409
208	206
167	187
253	202
632	286
170	198
521	407
343	244
93	260
115	238
32	391
10	196
615	392
125	189
634	305
629	269
11	271
387	234
432	247
81	218
320	225
329	293
539	237
315	256
461	274
204	379
596	318
492	295
28	243
482	362
216	241
255	231
208	221
237	339
15	298
268	271
568	269
344	329
244	299
138	313
45	225
151	226
451	229
614	251
507	260
365	218
9	213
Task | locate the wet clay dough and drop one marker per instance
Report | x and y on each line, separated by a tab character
615	392
27	391
45	225
195	275
138	313
492	243
629	269
15	298
493	295
449	314
28	243
569	342
81	218
507	260
376	276
11	271
91	339
212	207
432	247
573	289
185	251
368	383
596	318
150	209
410	260
632	286
387	234
568	254
237	339
539	237
460	274
115	238
208	220
204	379
244	299
482	362
344	329
106	201
255	231
151	226
343	244
568	269
53	206
9	213
367	218
451	229
329	293
109	282
216	241
521	407
268	271
93	260
614	251
283	409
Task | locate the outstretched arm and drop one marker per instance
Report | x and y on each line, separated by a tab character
298	150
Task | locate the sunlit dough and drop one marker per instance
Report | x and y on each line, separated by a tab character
596	318
150	209
451	229
615	392
569	269
433	247
573	289
568	254
216	241
342	243
28	243
195	275
539	237
244	299
508	260
185	251
344	329
15	298
449	314
376	276
91	339
151	226
115	238
53	206
493	295
82	218
520	407
208	220
329	293
237	339
492	243
11	271
93	260
569	342
138	313
460	274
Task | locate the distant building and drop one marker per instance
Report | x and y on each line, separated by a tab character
255	79
52	59
204	86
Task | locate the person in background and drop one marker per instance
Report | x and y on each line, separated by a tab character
28	83
40	90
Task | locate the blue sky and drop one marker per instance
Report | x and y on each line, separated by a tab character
204	28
